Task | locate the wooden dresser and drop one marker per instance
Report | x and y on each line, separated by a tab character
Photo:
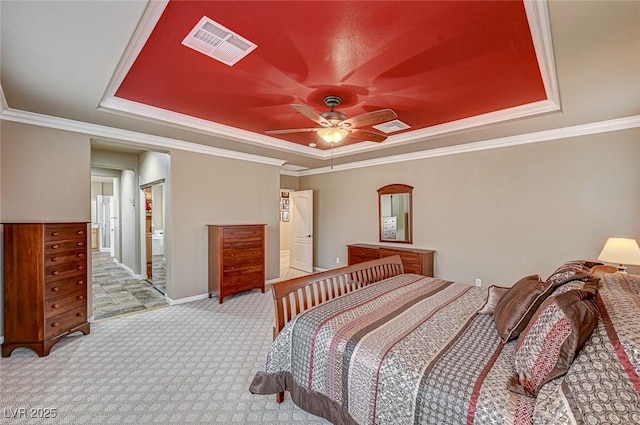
236	259
45	284
414	260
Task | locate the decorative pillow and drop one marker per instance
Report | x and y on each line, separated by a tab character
551	340
515	308
571	270
493	296
590	285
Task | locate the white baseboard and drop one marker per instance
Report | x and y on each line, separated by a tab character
128	270
319	269
1	339
91	319
187	299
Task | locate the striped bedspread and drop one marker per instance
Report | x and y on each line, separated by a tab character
407	350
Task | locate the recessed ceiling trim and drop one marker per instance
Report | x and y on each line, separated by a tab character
120	135
178	120
504	115
3	100
503	142
143	31
540	27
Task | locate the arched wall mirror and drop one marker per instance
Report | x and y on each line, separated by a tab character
395	209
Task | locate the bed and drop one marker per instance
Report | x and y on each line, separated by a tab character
369	344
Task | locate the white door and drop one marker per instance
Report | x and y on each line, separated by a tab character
301	247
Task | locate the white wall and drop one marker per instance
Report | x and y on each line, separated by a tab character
496	214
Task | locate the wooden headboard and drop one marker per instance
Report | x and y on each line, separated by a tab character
292	297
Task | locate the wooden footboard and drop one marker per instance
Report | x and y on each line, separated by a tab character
292	297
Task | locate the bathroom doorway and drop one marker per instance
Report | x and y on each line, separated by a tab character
154	224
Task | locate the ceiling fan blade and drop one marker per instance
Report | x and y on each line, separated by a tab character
291	130
369	118
366	136
311	114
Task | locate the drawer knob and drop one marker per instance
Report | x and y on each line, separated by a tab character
233	233
54	247
80	243
80	282
54	325
79	314
55	289
233	255
80	267
80	255
81	232
54	233
54	259
80	297
55	306
55	272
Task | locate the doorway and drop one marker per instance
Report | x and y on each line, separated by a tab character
294	261
154	225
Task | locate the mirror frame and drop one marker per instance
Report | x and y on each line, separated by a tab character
396	189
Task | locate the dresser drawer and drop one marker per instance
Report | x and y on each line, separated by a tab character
242	257
65	270
61	323
243	280
65	257
57	288
230	234
57	233
236	270
59	305
57	246
248	242
359	255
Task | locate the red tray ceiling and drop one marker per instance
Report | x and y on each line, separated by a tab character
431	62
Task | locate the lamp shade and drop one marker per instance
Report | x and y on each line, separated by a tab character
621	251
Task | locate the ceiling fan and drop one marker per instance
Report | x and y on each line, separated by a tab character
336	125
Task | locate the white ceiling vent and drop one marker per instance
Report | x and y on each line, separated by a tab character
391	126
214	40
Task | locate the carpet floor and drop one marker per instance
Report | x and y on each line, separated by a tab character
184	364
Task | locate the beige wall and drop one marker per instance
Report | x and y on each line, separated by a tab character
496	214
289	182
44	176
211	190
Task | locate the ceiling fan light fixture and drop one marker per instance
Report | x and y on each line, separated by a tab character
332	135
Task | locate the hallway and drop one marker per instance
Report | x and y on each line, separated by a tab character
116	292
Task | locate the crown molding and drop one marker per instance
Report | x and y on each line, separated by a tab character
148	21
126	136
540	27
3	101
521	139
535	108
177	120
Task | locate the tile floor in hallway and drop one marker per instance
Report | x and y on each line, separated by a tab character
116	292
